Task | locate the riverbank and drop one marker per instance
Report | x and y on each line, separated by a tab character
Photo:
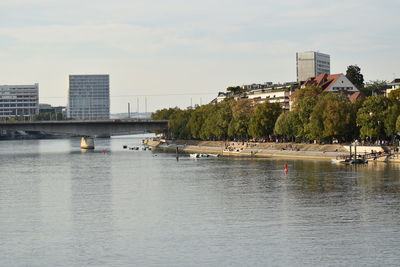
251	149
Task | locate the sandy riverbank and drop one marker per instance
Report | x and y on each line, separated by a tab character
243	149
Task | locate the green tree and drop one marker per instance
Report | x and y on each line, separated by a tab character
241	114
374	87
196	121
394	95
371	117
178	124
211	122
221	119
164	114
235	90
209	128
391	114
353	73
332	117
263	119
46	116
398	124
288	125
390	118
304	101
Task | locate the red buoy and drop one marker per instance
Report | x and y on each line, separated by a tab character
286	169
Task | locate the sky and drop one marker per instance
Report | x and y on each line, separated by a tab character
182	52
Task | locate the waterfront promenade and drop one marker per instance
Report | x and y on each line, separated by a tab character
266	150
252	149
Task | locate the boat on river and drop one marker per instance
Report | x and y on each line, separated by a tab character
340	161
202	155
231	151
349	161
352	158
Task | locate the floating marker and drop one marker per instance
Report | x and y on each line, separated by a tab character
286	169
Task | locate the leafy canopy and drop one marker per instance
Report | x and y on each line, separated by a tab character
371	116
353	73
263	119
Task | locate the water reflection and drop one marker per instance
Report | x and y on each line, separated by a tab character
91	205
21	221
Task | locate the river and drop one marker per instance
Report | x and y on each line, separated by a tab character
60	206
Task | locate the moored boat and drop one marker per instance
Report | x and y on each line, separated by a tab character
194	155
340	161
202	155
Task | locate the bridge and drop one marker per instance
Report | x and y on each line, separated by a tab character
89	129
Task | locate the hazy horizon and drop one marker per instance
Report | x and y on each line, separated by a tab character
177	52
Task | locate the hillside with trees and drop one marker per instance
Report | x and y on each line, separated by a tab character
315	115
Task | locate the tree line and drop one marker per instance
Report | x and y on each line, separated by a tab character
315	115
42	116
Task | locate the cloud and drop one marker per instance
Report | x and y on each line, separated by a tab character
172	43
13	3
135	40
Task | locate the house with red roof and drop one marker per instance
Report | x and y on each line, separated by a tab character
331	83
336	83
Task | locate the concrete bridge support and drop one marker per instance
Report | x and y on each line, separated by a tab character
87	142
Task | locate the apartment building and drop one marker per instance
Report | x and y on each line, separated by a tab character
19	100
259	93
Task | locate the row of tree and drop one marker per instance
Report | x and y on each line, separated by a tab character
43	116
331	116
315	115
229	119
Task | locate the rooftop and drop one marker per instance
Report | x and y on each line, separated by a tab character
395	81
323	80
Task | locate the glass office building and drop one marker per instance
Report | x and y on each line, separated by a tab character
19	100
89	97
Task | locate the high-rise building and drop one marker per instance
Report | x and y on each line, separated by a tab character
17	100
89	97
311	64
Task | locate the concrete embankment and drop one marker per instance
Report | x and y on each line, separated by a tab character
251	149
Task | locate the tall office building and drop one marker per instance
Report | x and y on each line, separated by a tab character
312	64
89	97
17	100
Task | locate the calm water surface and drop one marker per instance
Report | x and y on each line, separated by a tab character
60	206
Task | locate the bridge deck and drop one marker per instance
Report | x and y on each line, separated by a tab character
87	127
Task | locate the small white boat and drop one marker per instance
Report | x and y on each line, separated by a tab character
340	161
202	155
359	161
349	161
194	156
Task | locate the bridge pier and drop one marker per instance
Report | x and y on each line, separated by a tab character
87	142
